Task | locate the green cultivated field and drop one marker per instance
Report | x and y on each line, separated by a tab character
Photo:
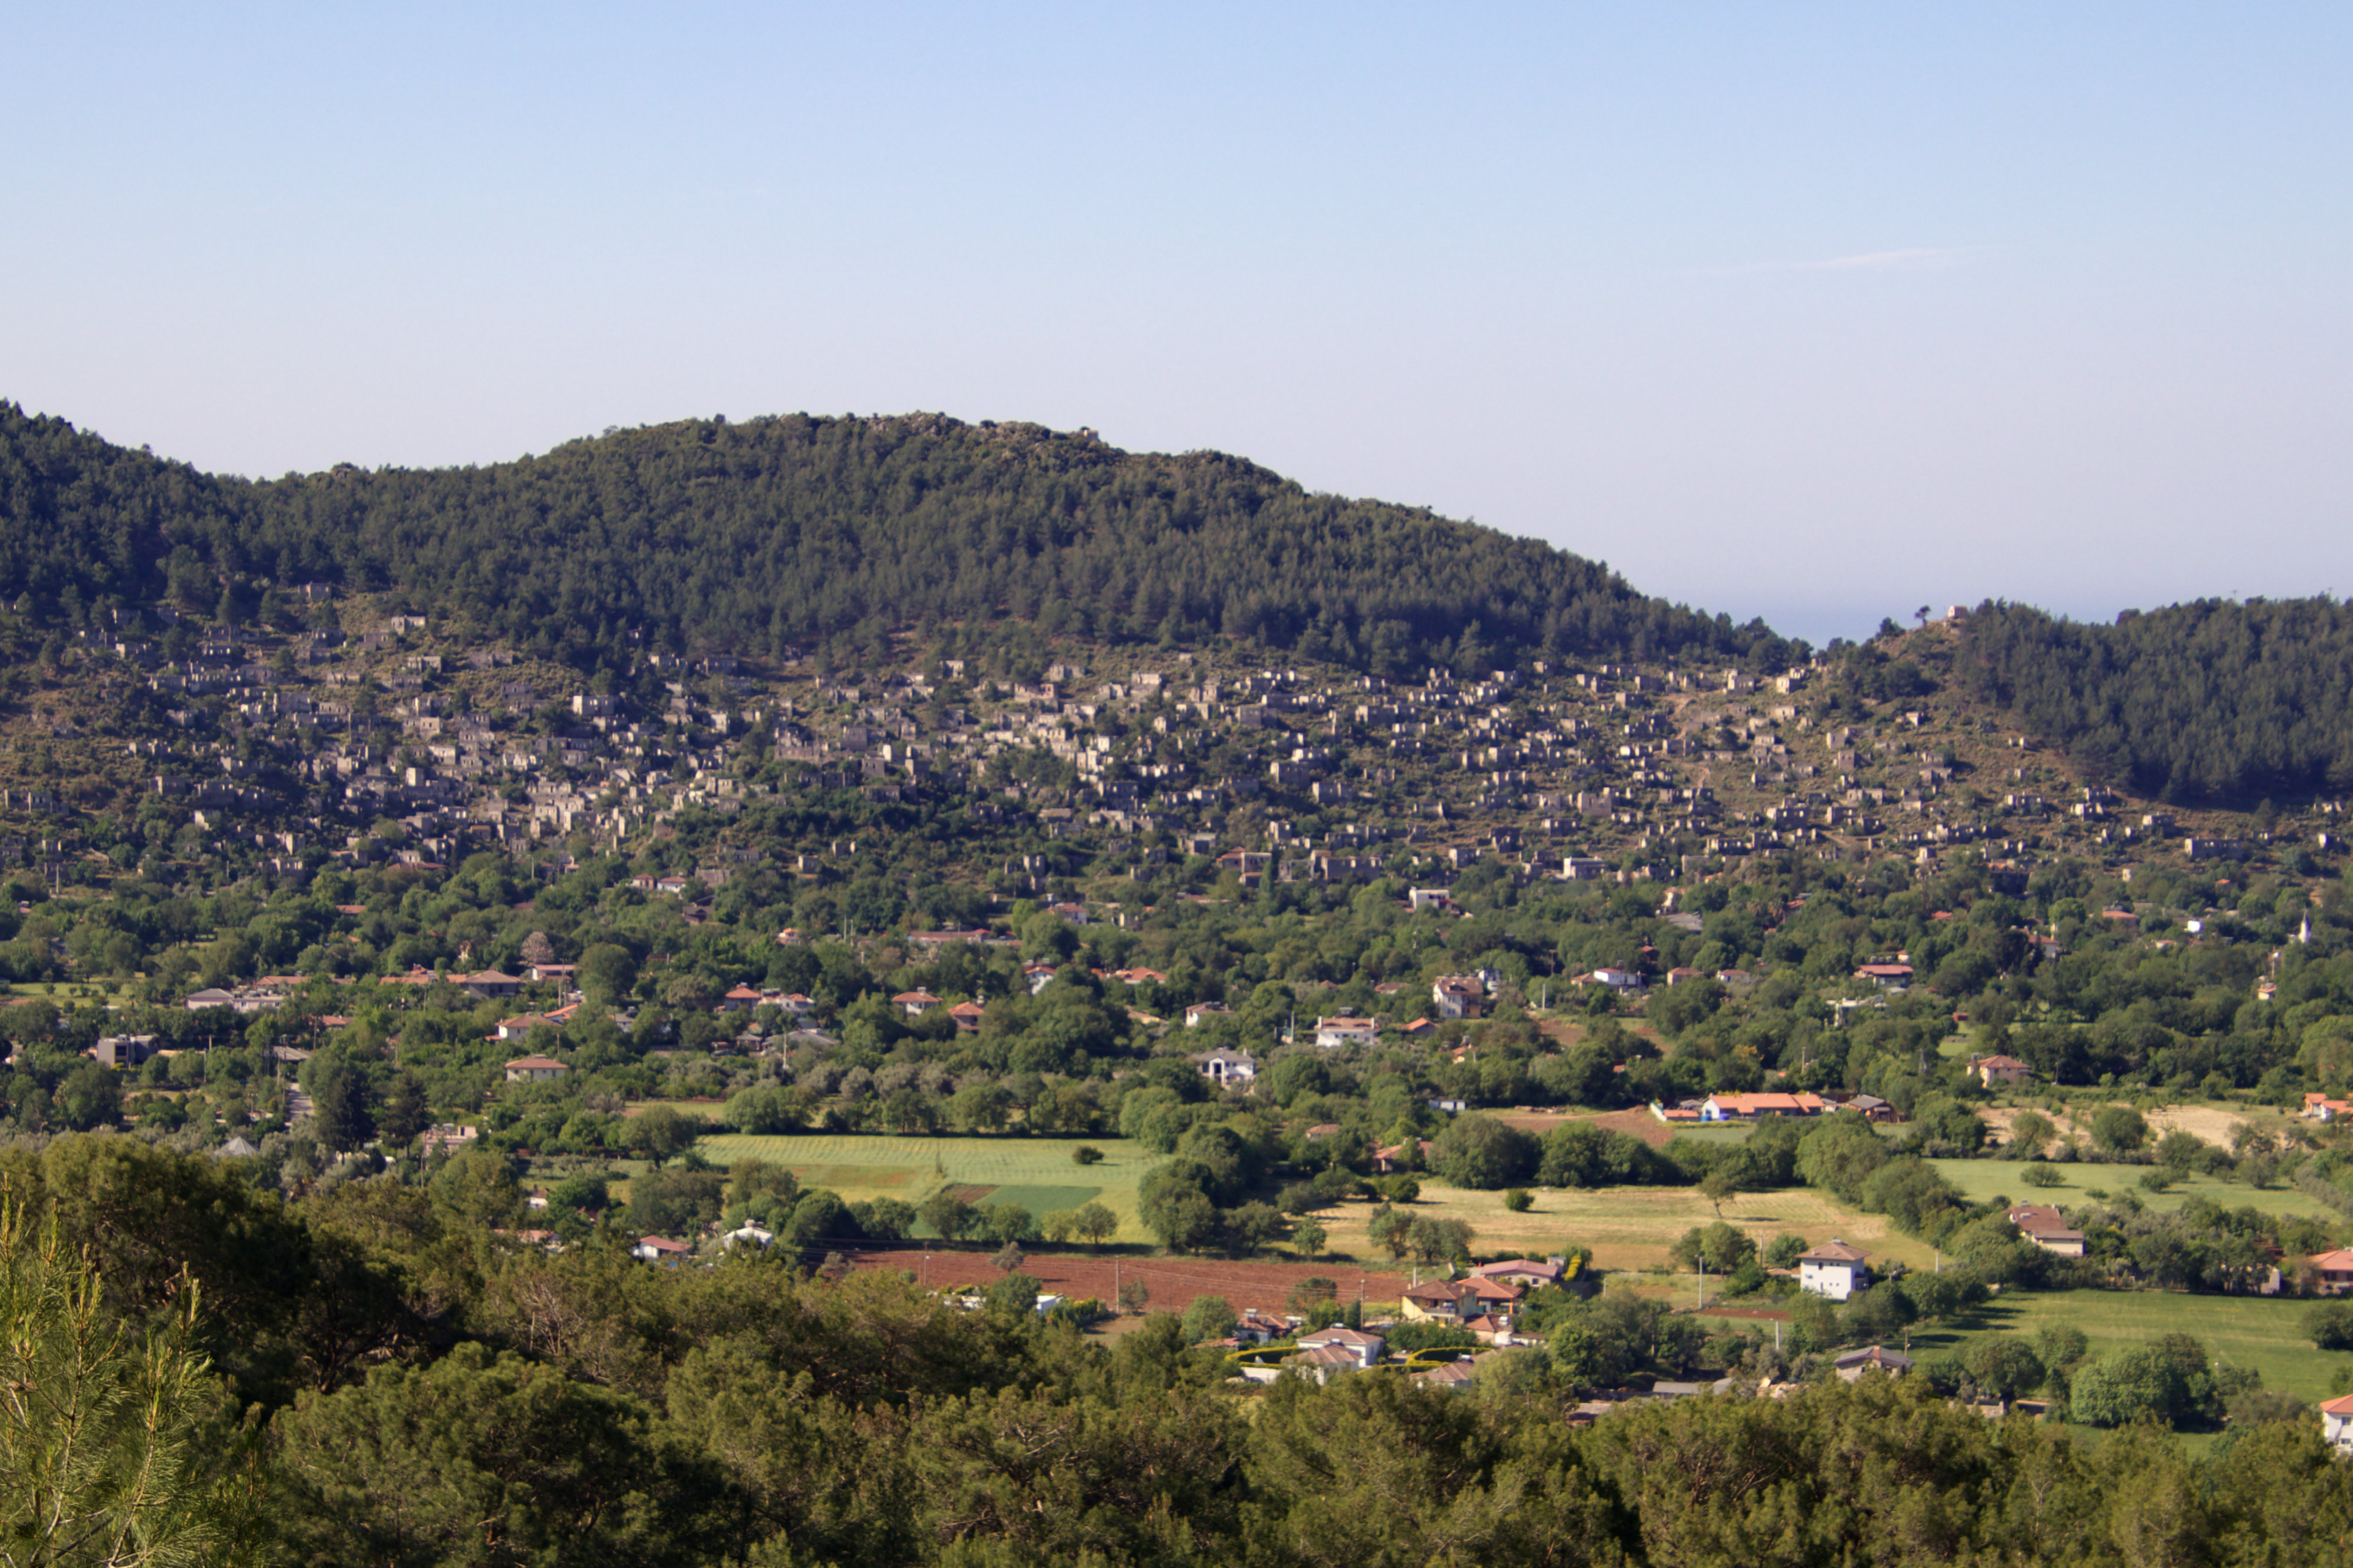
1629	1227
1984	1179
1718	1131
2263	1333
1036	1173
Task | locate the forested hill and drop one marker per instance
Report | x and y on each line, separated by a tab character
2213	701
706	536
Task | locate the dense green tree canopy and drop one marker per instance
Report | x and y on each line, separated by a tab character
706	536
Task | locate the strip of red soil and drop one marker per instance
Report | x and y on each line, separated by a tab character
1172	1281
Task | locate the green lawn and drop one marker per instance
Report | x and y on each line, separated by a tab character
1984	1179
1718	1131
65	992
2264	1332
1036	1173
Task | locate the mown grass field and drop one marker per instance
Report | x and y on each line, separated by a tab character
1630	1229
1036	1173
1984	1179
2263	1333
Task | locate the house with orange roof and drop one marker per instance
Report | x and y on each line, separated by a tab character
2333	1272
534	1070
1746	1106
1393	1158
492	983
1998	1070
1457	995
2047	1229
2336	1424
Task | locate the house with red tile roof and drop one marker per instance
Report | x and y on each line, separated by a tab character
2336	1424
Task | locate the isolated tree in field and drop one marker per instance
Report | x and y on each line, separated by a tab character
1252	1226
1057	1225
1134	1294
949	1215
1007	1222
2030	1131
1719	1187
1096	1224
1391	1230
2119	1129
1434	1240
1308	1237
2330	1324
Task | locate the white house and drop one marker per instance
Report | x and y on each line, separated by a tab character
1333	1033
1229	1069
1834	1269
2336	1423
534	1070
1362	1348
1457	995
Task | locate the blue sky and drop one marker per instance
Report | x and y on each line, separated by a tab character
1815	312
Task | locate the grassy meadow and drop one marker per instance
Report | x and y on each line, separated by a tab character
1630	1228
2263	1333
1036	1173
1983	1179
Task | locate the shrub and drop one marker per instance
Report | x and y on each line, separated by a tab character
1517	1200
2330	1324
1013	1294
1208	1318
2040	1174
1086	1154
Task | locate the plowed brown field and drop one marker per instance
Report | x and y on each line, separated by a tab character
1172	1281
